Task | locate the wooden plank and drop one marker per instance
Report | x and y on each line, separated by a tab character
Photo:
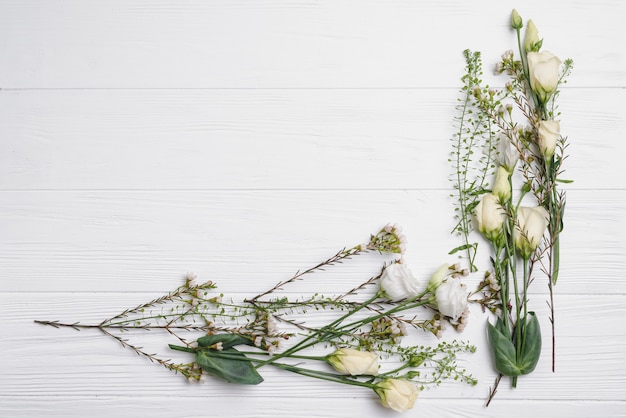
43	361
278	139
290	44
119	241
168	406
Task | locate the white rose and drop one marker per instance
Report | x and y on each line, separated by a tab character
451	298
397	282
507	154
397	394
354	362
530	226
549	133
544	70
490	216
501	186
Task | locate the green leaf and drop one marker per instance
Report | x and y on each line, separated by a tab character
564	181
531	344
503	352
230	369
461	248
227	340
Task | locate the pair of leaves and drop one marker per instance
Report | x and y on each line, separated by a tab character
227	363
506	360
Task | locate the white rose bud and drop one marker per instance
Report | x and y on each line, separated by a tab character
452	298
397	394
397	282
530	226
438	277
502	186
516	20
354	362
507	154
544	70
490	216
531	40
549	134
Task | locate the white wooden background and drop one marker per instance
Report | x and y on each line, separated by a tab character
246	139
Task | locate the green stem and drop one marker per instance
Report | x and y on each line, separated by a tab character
504	293
394	371
180	348
306	342
328	376
409	304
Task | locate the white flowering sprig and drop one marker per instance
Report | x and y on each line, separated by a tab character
234	341
524	135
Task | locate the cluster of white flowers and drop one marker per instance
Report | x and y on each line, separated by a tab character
389	239
450	295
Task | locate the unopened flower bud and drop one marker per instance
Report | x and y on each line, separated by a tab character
416	361
438	277
531	224
532	43
502	186
490	217
397	394
549	133
354	362
516	20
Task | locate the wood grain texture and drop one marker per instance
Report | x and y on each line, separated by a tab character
268	139
147	240
106	368
126	406
244	140
292	44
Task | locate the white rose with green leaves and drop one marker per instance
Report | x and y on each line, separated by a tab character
354	362
549	133
397	394
530	226
544	70
490	217
502	185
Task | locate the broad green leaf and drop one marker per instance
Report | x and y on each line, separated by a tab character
500	327
503	352
531	345
232	370
227	340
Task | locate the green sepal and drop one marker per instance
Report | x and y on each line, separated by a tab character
531	345
503	350
232	370
227	340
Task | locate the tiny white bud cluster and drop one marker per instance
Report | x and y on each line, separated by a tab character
462	321
389	239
